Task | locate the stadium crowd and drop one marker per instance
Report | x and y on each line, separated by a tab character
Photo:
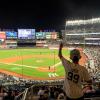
93	64
11	86
56	92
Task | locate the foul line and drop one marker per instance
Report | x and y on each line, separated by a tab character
56	64
28	66
18	65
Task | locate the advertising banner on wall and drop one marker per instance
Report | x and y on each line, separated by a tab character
40	35
48	35
53	35
2	35
11	35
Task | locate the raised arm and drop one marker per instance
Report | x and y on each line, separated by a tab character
60	50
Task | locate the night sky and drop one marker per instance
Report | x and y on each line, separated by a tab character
45	14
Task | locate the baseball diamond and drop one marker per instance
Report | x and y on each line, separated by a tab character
34	63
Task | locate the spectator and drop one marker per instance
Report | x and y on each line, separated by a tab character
41	92
2	93
61	95
52	92
98	90
74	75
46	95
88	89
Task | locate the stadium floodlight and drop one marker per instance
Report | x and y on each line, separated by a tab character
80	22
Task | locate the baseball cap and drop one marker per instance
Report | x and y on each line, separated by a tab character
75	52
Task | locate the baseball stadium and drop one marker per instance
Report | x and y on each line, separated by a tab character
29	59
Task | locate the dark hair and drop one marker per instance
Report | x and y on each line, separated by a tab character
75	59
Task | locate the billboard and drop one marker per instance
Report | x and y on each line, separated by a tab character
53	35
40	35
2	40
11	35
26	33
48	35
2	35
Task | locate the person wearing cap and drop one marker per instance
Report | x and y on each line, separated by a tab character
75	74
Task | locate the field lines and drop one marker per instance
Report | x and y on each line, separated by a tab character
55	65
29	66
53	74
18	65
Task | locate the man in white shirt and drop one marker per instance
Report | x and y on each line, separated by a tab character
75	74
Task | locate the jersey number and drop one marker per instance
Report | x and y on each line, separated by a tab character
73	77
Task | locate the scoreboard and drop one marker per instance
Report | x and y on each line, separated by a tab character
26	33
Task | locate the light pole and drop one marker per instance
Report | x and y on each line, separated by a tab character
54	62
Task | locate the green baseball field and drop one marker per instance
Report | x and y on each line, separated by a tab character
32	63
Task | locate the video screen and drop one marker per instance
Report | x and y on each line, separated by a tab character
2	35
11	35
26	33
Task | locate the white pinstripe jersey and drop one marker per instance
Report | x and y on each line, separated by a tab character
74	75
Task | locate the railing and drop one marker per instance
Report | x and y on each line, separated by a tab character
22	95
93	98
28	92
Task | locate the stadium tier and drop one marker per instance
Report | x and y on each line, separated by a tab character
86	32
